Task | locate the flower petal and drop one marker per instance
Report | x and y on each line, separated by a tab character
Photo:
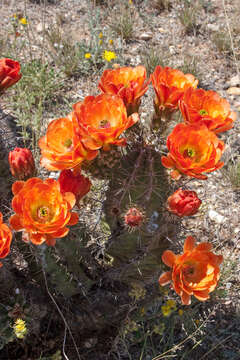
169	258
189	244
165	278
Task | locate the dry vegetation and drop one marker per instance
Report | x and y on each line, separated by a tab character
201	37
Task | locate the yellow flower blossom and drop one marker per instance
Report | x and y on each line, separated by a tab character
109	55
180	312
100	35
166	310
110	41
100	42
23	21
171	304
20	328
87	56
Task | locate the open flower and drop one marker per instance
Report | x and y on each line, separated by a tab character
77	184
183	203
101	120
207	107
127	82
169	85
195	272
61	148
109	55
21	163
193	150
5	239
9	73
42	211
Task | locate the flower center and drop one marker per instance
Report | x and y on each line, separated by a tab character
189	152
104	124
203	112
68	143
43	212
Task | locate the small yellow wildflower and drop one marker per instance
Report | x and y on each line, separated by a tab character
109	55
100	35
166	310
20	328
180	312
87	56
130	2
110	42
23	21
171	304
100	42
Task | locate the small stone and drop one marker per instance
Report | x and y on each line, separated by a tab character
233	90
145	36
234	81
214	216
213	27
172	50
161	30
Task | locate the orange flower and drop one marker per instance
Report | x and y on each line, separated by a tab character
5	239
42	211
78	184
183	203
193	150
9	73
169	85
21	163
207	107
195	272
127	82
101	120
61	148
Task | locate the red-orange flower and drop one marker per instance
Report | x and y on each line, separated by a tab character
195	272
207	107
127	82
77	184
21	163
42	211
193	150
5	239
101	120
9	73
61	148
169	85
183	203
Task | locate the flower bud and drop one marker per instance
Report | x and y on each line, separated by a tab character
21	163
9	73
77	184
133	218
183	203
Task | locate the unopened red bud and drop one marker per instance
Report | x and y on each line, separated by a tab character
134	218
21	163
9	73
183	203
